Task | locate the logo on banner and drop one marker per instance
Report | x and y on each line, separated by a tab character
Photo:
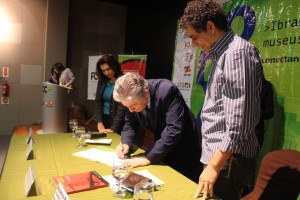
248	14
188	44
47	90
188	57
184	85
48	103
94	76
187	70
137	66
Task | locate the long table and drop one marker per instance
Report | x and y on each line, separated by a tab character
53	157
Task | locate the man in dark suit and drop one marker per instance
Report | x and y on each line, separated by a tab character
159	107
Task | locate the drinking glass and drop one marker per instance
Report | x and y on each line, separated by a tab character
73	124
143	190
119	172
80	134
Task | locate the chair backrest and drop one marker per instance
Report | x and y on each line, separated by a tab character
278	176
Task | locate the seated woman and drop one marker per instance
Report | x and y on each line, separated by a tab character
110	114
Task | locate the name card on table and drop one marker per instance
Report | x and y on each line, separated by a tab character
30	187
60	193
29	135
29	151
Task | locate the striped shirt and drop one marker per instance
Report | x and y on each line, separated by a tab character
232	103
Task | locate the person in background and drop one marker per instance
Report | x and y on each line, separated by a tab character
158	106
266	113
65	75
231	107
267	108
110	114
54	77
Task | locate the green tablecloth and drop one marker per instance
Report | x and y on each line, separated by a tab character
53	157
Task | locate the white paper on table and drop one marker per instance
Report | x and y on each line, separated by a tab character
105	157
145	172
112	182
99	141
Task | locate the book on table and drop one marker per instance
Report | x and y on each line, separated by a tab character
79	182
132	179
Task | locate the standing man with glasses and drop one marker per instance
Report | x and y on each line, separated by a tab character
231	108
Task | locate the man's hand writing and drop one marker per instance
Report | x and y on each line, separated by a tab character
122	150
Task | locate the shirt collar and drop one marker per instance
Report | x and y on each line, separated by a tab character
219	47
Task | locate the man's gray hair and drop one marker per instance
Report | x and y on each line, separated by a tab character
130	87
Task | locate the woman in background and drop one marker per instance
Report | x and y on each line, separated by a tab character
54	77
110	114
65	75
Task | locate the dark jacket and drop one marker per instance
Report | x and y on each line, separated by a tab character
267	109
176	135
117	110
51	80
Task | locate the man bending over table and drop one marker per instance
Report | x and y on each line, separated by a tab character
158	106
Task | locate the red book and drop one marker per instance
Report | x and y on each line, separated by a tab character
73	183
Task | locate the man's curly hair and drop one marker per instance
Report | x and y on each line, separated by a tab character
198	12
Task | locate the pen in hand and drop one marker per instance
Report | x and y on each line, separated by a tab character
125	155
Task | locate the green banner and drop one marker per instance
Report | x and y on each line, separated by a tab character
273	26
276	33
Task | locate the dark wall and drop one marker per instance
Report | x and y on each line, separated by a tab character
151	30
94	27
